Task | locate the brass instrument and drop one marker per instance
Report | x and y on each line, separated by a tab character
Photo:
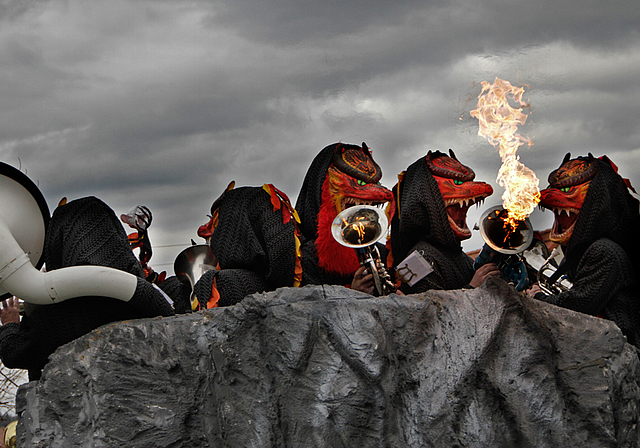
9	437
360	227
543	265
24	217
521	258
498	234
191	264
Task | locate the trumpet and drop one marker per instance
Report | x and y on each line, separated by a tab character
360	227
521	259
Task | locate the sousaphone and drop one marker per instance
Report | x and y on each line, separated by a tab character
23	222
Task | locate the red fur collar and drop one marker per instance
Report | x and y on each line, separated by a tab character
332	256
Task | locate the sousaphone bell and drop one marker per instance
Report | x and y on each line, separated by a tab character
361	227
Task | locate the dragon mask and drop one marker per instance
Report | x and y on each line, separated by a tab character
351	179
459	190
568	186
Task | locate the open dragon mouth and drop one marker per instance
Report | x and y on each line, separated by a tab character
350	202
457	213
565	220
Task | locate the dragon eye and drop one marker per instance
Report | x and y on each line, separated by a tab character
458	182
565	189
361	182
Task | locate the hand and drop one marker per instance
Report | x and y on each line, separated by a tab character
9	311
362	282
535	289
485	271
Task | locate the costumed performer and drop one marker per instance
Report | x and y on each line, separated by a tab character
428	215
83	232
340	176
596	222
254	236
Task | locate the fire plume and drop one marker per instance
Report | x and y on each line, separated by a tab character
498	123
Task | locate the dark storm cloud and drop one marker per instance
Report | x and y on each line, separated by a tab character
10	9
288	22
164	102
501	23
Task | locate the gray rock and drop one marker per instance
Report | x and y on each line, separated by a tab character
329	367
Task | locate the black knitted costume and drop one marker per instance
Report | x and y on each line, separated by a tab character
308	205
420	223
602	255
254	246
82	232
179	292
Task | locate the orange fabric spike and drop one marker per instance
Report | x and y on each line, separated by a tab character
297	278
275	200
278	199
214	298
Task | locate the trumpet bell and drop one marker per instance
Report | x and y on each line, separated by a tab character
359	226
499	235
24	210
192	262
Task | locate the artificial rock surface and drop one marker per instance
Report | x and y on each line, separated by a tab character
329	367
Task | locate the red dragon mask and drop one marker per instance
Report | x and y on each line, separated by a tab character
458	189
568	186
352	179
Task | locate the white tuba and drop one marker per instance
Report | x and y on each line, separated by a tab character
23	218
361	227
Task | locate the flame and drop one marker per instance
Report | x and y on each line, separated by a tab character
360	229
498	122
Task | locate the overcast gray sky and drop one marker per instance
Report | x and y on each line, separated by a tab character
163	102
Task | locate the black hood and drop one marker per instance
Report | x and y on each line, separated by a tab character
86	231
310	196
420	213
608	211
251	235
